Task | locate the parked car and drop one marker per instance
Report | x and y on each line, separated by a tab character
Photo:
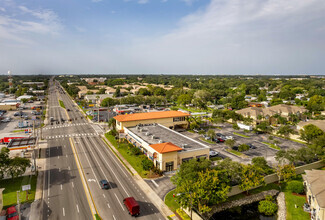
104	184
30	101
206	137
251	146
219	134
235	147
229	138
221	139
195	130
132	206
6	120
215	140
213	153
12	213
17	114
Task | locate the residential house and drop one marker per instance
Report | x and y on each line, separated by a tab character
97	98
315	192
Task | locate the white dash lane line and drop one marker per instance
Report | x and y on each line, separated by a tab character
119	201
114	217
61	186
104	195
77	208
63	211
108	205
72	184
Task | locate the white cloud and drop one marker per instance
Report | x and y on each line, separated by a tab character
96	1
2	9
143	1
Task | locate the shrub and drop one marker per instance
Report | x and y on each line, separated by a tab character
296	186
267	207
157	171
135	151
243	147
235	126
147	164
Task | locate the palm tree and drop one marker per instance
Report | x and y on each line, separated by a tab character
112	123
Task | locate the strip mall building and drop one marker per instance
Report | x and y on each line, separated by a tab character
153	134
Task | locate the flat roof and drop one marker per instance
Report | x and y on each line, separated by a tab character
163	134
21	142
150	115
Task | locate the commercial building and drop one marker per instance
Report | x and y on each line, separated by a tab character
9	106
315	192
170	119
167	148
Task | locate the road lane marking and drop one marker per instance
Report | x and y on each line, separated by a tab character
63	211
72	184
61	186
154	182
77	208
119	201
114	217
68	167
108	205
104	195
59	169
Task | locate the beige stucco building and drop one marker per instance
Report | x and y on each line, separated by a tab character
314	181
167	148
170	119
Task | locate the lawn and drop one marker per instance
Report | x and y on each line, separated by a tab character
123	149
241	135
13	185
292	212
16	131
61	104
170	201
208	141
235	152
272	146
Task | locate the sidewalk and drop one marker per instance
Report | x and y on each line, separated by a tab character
155	199
36	211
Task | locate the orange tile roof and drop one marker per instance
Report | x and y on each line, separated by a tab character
165	147
150	115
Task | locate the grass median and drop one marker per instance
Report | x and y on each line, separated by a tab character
207	141
61	103
241	135
235	152
272	146
13	185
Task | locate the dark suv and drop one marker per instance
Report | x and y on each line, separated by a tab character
103	184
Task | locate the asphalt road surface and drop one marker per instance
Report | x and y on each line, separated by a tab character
64	193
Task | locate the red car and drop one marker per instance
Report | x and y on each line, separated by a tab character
12	213
221	140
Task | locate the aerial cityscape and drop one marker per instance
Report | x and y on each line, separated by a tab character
162	109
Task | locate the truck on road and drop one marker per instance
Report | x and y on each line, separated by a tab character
132	206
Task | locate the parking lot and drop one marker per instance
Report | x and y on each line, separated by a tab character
16	125
261	149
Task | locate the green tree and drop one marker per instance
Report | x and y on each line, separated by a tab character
4	162
262	163
230	142
147	164
243	147
232	170
18	166
117	92
296	186
235	126
184	99
211	133
190	170
251	176
285	131
316	103
285	172
264	126
107	102
112	123
310	132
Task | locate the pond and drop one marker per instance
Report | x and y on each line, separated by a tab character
245	212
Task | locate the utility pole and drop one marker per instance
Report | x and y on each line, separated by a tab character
18	204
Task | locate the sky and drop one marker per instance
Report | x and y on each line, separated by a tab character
162	36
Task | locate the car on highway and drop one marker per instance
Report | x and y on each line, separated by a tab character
104	184
213	153
132	205
68	109
12	213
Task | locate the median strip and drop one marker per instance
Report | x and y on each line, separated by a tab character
241	135
272	146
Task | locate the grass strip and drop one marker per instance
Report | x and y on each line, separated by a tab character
241	135
16	131
116	154
294	213
183	214
61	104
272	146
207	141
234	152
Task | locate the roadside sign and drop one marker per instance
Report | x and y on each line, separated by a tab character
26	187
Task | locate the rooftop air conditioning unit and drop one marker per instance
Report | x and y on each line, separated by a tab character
160	141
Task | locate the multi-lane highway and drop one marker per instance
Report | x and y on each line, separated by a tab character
64	189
